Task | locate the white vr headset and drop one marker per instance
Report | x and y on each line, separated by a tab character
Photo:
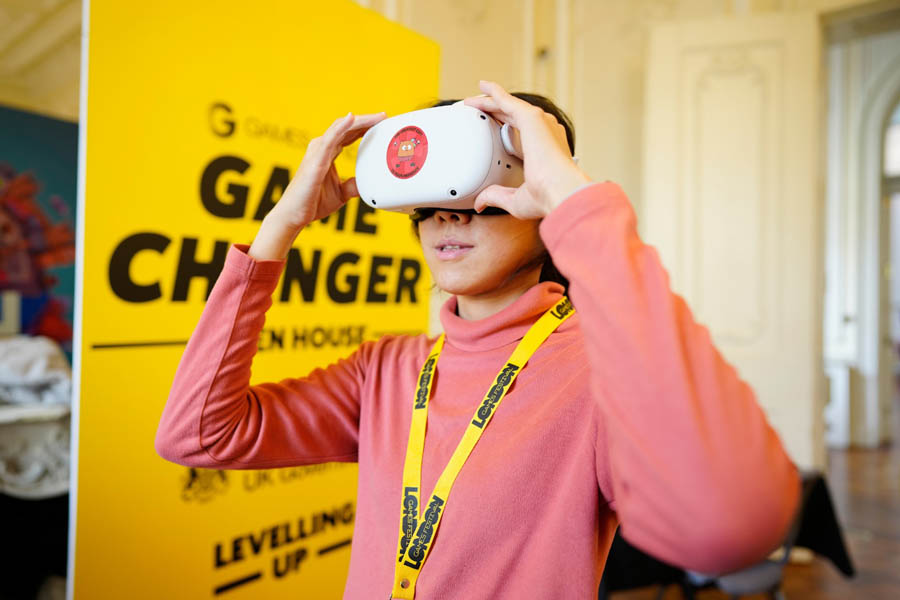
440	157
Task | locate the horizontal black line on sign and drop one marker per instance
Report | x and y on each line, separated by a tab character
397	332
337	546
230	586
137	344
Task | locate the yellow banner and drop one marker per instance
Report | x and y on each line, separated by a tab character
197	115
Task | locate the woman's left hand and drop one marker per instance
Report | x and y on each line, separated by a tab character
550	173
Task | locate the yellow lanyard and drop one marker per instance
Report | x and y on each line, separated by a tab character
416	535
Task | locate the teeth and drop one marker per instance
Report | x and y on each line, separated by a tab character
450	247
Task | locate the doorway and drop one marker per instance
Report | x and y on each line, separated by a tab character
863	67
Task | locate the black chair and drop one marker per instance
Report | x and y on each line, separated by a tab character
816	527
765	576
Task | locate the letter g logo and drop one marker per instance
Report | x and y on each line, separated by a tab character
220	120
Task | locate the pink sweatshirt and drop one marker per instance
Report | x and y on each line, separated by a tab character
627	415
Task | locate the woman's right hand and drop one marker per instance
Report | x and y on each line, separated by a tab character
315	191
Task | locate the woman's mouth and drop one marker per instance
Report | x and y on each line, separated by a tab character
450	249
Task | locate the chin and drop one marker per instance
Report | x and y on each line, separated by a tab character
459	286
461	282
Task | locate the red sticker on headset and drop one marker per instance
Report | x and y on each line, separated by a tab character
407	151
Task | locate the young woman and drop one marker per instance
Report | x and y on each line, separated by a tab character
626	414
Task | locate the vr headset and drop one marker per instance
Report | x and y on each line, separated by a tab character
436	158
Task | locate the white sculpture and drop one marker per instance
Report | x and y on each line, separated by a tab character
35	406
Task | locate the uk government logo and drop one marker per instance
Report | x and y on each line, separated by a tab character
202	485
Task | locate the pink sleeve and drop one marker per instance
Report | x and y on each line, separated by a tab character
686	456
214	418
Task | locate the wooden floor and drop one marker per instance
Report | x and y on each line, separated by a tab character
865	486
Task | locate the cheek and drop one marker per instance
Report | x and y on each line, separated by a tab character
517	244
499	256
426	233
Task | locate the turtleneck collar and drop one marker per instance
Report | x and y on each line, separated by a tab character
502	328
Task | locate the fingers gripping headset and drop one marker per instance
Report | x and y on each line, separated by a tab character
440	157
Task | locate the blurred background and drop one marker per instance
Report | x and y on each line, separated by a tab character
759	141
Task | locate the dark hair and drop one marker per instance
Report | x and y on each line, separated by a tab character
549	272
545	104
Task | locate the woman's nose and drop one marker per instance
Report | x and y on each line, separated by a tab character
449	216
